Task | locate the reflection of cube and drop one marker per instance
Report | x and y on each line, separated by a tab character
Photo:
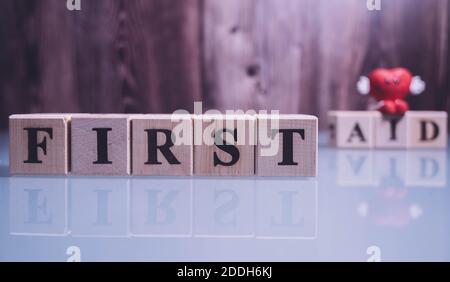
427	129
39	144
355	168
161	207
426	168
390	131
38	206
99	207
352	129
390	168
224	207
286	209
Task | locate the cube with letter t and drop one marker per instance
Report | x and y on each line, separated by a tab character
287	145
39	144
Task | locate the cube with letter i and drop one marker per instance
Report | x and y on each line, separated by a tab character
100	144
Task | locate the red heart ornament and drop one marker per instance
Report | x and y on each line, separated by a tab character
390	84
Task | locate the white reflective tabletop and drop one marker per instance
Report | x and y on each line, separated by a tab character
388	205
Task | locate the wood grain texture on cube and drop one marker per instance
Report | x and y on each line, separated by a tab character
205	149
427	129
51	132
354	129
180	162
390	131
84	144
303	157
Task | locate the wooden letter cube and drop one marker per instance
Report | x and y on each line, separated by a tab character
162	145
390	131
287	145
427	129
352	129
101	144
224	145
38	144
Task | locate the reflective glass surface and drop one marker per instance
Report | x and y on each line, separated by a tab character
366	205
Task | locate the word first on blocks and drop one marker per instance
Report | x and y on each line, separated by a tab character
39	144
164	144
372	129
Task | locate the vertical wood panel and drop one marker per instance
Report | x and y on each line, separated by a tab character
113	56
310	54
297	56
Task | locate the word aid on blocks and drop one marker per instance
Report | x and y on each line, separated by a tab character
372	129
287	145
224	145
100	144
39	144
162	145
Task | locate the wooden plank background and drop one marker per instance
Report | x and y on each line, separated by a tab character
156	56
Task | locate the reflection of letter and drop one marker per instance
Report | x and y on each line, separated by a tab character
390	167
224	208
229	207
426	168
99	207
355	168
36	208
102	207
161	207
356	165
287	211
429	167
164	206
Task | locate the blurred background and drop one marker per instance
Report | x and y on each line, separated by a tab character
155	56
